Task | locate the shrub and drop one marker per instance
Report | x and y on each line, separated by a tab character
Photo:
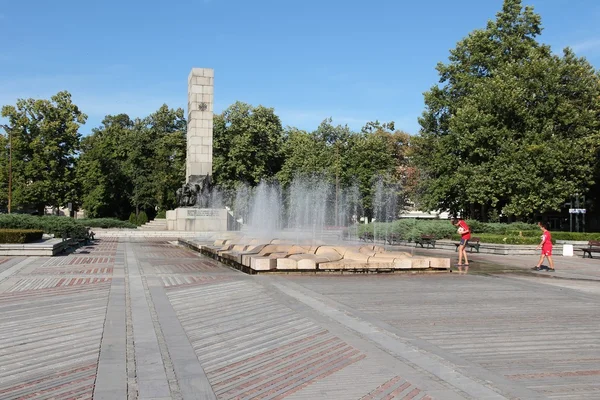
500	233
63	227
142	218
20	235
106	223
133	219
575	236
54	225
162	214
504	239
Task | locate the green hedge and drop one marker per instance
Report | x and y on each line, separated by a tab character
505	239
53	225
575	236
106	223
515	233
20	235
161	214
409	229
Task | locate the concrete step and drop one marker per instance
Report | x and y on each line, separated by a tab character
158	224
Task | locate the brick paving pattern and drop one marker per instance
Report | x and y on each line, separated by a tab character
136	318
50	331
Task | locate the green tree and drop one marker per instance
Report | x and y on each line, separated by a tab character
133	164
167	136
105	186
247	145
510	127
45	141
304	154
374	154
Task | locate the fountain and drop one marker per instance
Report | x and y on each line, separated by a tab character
297	228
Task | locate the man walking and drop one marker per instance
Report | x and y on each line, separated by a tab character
465	234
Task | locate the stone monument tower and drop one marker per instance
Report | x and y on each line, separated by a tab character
194	212
200	124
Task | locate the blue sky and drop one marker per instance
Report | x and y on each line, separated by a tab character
354	61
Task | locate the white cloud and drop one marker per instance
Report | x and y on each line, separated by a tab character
586	46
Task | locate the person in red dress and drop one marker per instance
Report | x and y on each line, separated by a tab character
546	246
465	235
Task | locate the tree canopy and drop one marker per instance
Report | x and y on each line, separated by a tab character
45	141
246	145
511	127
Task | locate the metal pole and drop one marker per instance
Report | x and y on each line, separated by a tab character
9	169
577	215
571	217
583	216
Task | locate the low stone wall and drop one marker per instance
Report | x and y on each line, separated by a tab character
100	233
45	248
504	249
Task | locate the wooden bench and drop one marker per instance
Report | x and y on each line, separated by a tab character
472	244
367	237
593	247
428	240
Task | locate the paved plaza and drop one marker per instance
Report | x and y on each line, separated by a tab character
135	318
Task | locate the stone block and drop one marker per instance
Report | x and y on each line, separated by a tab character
443	263
420	262
202	81
206	168
195	141
202	156
206	98
205	132
195	89
204	150
208	72
207	90
311	263
195	169
195	114
403	263
286	264
263	263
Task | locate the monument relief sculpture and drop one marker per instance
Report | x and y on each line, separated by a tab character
195	194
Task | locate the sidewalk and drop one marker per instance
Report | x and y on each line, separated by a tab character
138	318
574	267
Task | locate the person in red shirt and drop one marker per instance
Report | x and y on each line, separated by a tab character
546	246
465	235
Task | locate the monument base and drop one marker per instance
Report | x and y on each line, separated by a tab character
199	220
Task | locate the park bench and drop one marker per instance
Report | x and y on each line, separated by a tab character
472	244
393	238
367	237
593	247
428	240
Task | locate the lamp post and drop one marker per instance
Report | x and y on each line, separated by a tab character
8	132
